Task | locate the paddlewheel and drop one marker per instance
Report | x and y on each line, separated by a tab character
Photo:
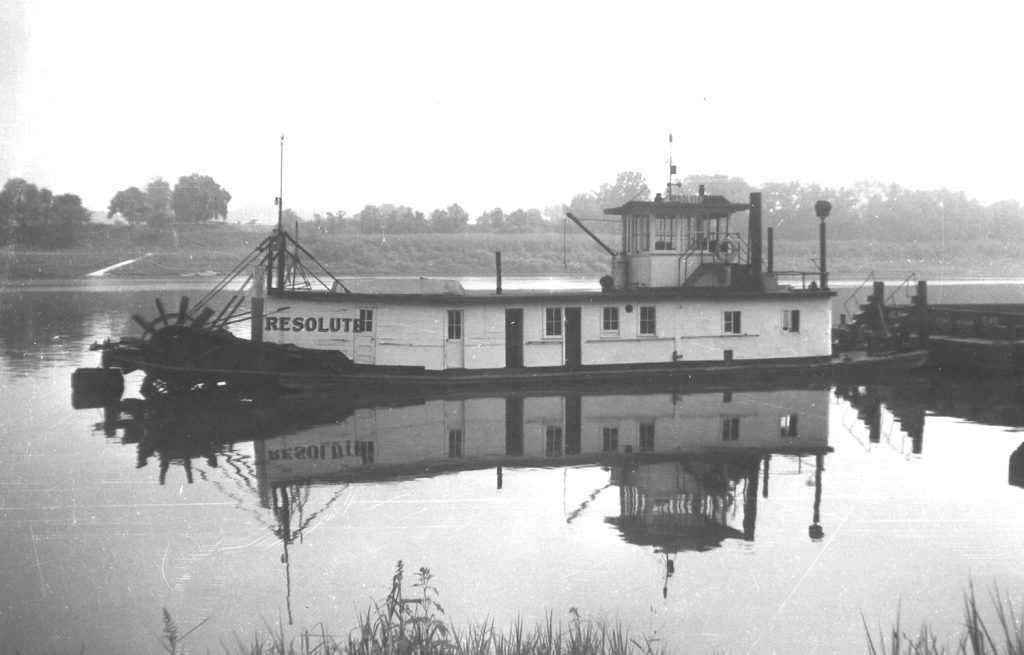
165	318
178	348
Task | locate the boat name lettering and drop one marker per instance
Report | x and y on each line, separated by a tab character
311	324
335	450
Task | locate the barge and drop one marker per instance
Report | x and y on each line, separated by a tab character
690	295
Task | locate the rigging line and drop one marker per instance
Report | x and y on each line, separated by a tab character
327	505
232	274
227	279
322	267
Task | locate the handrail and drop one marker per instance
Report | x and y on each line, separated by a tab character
901	285
853	295
697	244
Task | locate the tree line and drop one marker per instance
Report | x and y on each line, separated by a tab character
194	199
863	210
400	219
30	215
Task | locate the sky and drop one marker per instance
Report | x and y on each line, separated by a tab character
506	104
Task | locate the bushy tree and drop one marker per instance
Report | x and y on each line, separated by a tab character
525	220
590	206
370	220
36	216
492	221
333	223
131	204
198	198
158	197
451	220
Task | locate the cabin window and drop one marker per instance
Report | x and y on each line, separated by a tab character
552	321
454	324
364	451
647	321
553	440
791	320
365	322
731	324
610	320
788	426
609	439
455	442
663	237
646	437
731	428
638	234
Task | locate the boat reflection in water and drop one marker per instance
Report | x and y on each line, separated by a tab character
688	466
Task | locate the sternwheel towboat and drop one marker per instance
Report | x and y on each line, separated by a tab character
689	296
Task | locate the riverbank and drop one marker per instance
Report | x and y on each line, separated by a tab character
214	249
398	624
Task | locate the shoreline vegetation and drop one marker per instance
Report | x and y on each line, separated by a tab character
214	249
401	624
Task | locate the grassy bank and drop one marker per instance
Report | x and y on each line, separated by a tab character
400	624
216	248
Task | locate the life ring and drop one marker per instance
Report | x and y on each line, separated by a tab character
726	250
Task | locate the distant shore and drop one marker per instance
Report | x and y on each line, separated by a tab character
214	249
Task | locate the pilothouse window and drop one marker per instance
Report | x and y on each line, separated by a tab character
663	236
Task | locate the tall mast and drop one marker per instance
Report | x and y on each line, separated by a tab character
280	226
671	169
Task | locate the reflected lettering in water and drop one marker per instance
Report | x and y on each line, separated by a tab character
688	467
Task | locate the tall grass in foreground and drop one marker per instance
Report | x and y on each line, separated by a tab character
399	625
978	638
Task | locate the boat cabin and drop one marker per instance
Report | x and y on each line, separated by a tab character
686	287
685	240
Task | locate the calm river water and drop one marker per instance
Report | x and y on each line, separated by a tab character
730	520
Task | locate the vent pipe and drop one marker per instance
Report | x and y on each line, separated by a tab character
754	234
497	272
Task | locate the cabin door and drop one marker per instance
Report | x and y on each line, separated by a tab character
453	342
455	428
513	338
514	426
573	338
364	344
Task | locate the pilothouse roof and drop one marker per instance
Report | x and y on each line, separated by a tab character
712	206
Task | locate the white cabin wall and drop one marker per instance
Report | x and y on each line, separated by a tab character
411	335
538	349
694	421
684	423
538	414
484	336
298	308
701	336
485	427
689	330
